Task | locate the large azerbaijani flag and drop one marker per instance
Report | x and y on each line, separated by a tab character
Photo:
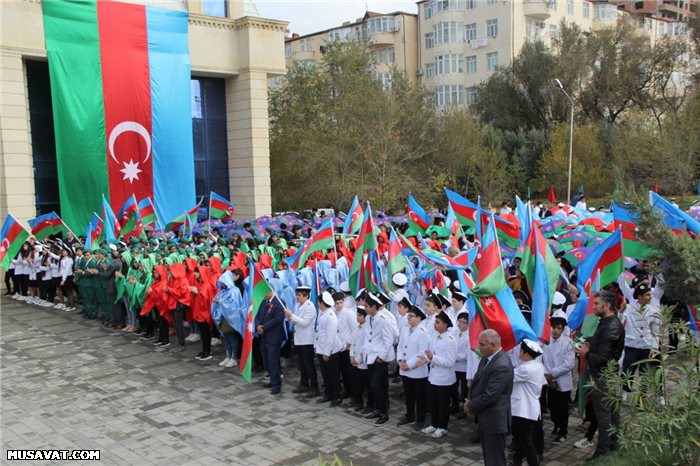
120	82
258	288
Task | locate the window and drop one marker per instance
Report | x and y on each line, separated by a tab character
492	28
471	31
374	57
384	79
569	7
448	32
491	61
448	5
604	11
586	10
662	29
528	28
392	55
215	8
428	10
383	56
471	4
380	24
430	71
553	4
287	50
449	95
471	64
449	63
429	40
553	31
306	45
677	29
491	2
471	95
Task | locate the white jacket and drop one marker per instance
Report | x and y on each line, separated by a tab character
642	325
66	267
304	319
442	366
528	379
412	346
358	347
380	337
559	360
467	360
326	341
347	322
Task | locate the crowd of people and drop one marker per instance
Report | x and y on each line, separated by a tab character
196	289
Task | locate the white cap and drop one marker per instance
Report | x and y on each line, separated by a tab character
558	299
558	314
345	287
533	346
113	247
327	299
399	279
561	204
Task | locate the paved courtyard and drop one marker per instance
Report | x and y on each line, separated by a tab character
68	383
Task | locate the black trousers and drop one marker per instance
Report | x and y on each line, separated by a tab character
178	316
361	377
205	334
271	359
345	367
439	400
632	355
146	323
23	284
416	395
493	448
559	409
379	381
307	366
118	313
462	385
607	417
523	430
331	376
163	329
9	280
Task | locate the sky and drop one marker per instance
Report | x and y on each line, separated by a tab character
307	16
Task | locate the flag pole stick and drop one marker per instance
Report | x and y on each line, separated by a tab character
335	251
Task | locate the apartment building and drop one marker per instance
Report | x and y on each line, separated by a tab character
391	39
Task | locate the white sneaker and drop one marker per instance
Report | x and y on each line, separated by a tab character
428	430
22	298
189	337
69	309
215	341
194	337
59	306
231	363
583	443
224	362
439	433
47	304
16	296
625	395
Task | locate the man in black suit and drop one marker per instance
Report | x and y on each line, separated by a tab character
490	398
269	323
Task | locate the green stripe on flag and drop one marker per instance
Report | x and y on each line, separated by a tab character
73	49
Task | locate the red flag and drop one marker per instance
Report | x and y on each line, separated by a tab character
552	197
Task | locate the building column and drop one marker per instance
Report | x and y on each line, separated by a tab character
16	164
248	144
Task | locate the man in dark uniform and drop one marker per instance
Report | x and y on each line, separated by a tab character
269	323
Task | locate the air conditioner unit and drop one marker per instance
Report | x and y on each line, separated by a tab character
419	73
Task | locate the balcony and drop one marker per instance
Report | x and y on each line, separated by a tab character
478	43
381	39
537	9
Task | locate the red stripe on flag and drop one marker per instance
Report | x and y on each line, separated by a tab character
126	85
12	234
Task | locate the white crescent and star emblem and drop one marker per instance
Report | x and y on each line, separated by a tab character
131	169
5	245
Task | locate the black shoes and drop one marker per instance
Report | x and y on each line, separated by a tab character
276	391
313	393
325	399
335	403
403	421
372	415
300	389
381	419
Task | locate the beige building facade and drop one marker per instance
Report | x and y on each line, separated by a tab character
462	42
226	42
390	39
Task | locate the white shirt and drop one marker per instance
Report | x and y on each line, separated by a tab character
393	321
66	267
559	360
442	366
396	297
347	322
413	343
380	337
304	318
358	347
326	341
528	379
467	360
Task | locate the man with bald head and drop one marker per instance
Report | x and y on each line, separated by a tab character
490	398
